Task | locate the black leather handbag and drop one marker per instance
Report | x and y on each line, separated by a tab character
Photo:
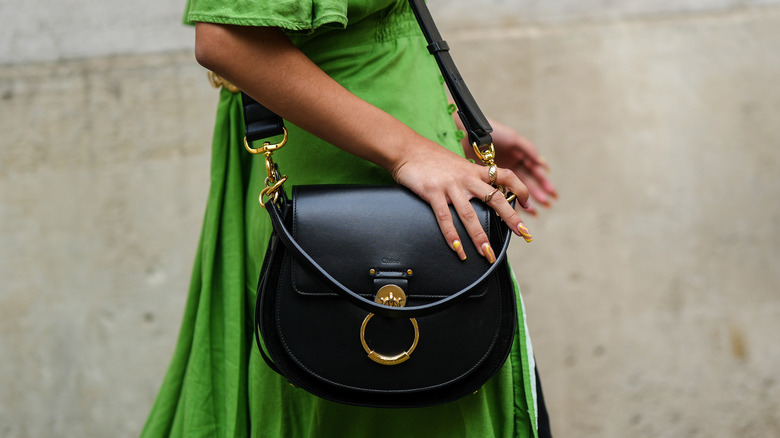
389	318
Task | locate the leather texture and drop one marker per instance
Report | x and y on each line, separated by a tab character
259	121
303	257
311	326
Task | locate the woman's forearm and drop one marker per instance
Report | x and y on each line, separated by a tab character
266	65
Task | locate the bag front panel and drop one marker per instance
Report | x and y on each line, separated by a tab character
322	335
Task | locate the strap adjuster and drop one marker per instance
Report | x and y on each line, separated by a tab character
438	46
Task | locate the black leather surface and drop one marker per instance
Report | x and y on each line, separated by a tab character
348	239
314	340
500	238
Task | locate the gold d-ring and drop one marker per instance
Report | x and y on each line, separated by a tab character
393	296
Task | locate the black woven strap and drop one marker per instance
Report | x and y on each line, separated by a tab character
263	123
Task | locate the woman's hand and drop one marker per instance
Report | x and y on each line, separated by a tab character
441	178
515	152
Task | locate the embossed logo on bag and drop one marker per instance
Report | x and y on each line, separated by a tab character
391	261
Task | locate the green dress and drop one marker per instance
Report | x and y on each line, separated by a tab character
217	384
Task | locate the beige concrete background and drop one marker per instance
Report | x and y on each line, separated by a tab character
651	287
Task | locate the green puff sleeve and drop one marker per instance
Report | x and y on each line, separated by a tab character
303	16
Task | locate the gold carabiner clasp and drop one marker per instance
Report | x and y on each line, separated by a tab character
267	147
273	182
488	155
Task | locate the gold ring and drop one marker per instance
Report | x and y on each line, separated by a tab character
393	296
493	174
381	358
489	196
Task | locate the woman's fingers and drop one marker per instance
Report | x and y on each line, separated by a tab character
451	180
538	172
508	179
537	192
496	200
510	217
443	216
473	226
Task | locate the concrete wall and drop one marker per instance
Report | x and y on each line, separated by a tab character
651	287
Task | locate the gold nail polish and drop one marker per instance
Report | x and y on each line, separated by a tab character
488	252
459	249
524	232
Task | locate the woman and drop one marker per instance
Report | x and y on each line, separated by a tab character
364	103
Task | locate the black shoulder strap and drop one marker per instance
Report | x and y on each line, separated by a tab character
262	123
476	124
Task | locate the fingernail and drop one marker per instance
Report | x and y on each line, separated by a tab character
487	251
554	194
459	249
544	164
524	232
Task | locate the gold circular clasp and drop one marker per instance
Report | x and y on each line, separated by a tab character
393	296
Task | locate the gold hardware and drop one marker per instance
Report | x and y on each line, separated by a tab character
273	183
488	156
271	191
492	174
218	81
489	196
267	147
393	296
409	272
372	271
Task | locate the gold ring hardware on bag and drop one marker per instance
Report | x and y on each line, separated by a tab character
393	296
273	183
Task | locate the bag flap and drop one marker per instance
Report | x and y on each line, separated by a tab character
367	236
